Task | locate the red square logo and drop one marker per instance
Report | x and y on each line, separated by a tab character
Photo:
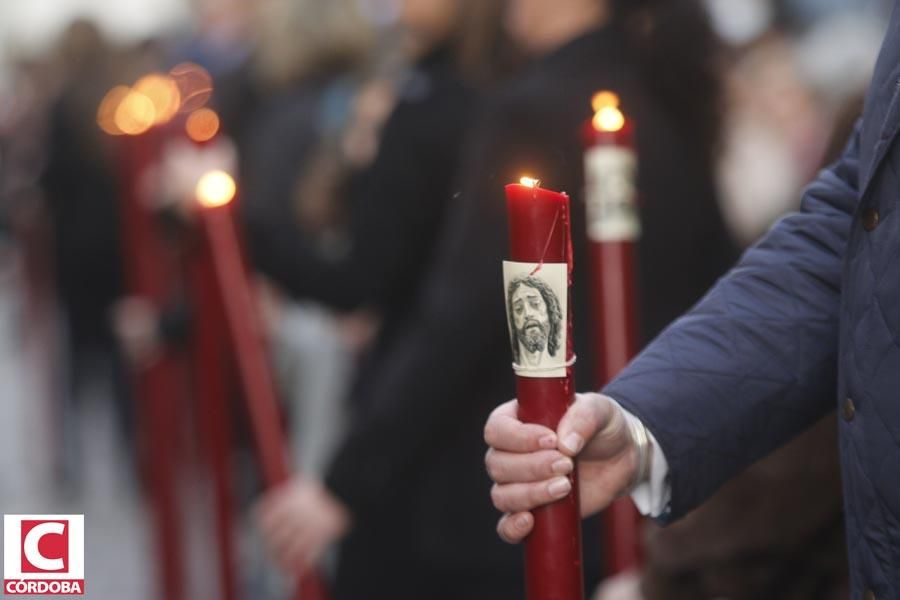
43	555
45	546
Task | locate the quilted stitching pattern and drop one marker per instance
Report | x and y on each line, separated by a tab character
870	373
757	356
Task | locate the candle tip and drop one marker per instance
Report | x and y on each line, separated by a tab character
530	182
216	188
607	116
604	98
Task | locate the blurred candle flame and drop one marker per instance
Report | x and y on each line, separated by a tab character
607	116
135	114
530	182
215	188
604	98
194	83
156	98
163	93
106	112
202	125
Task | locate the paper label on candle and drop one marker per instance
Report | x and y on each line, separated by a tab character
536	307
610	194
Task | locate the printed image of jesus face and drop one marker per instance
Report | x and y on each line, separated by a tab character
530	317
535	318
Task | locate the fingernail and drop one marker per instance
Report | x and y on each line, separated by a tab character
559	487
548	441
521	522
573	442
562	467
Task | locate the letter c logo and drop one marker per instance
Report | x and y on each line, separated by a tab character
33	553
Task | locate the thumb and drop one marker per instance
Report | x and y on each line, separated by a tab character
594	424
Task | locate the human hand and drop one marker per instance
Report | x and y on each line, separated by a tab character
299	520
530	464
135	321
358	329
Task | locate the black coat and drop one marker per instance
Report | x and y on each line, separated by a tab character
396	206
81	190
412	469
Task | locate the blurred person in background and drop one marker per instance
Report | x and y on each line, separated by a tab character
787	81
776	133
26	98
221	40
396	209
312	66
417	451
80	187
29	320
224	42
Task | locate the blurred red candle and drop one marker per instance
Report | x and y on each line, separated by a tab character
215	192
613	228
539	232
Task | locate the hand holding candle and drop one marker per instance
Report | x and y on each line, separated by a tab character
215	192
540	327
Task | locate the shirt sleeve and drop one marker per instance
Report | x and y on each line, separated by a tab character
651	497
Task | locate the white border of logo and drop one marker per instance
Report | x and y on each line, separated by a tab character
12	548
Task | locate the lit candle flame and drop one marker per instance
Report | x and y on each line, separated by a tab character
202	124
163	93
604	98
530	182
195	85
106	112
153	100
135	114
215	188
607	116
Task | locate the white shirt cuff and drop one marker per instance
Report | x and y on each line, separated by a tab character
653	496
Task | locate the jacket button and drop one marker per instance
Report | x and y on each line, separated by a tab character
869	595
870	219
849	410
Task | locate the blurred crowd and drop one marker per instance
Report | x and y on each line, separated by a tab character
370	141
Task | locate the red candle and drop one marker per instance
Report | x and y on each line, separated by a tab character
212	380
613	228
539	233
157	386
215	192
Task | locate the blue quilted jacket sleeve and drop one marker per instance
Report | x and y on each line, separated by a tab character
755	361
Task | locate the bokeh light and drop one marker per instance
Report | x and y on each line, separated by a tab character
215	188
195	85
135	114
202	125
163	93
603	99
609	118
106	112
